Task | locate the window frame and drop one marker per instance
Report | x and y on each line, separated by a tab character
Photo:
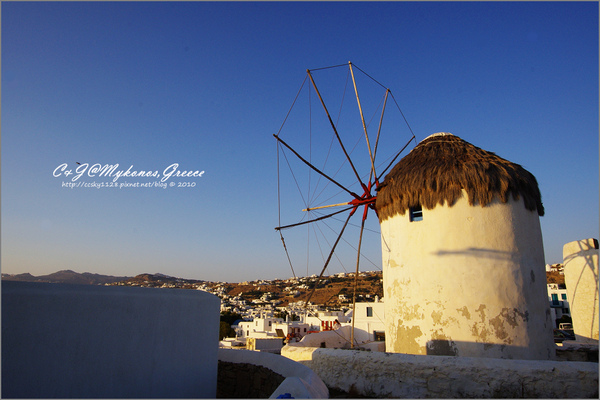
415	214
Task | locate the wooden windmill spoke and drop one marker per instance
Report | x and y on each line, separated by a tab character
315	168
324	198
362	118
335	130
397	155
362	228
387	91
378	233
314	220
328	258
327	206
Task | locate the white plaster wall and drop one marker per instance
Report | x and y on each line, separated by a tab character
581	278
364	326
467	280
339	338
245	328
314	321
82	341
272	344
557	312
387	375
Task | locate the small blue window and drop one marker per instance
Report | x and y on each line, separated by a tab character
416	213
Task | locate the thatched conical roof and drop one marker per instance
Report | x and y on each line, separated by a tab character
441	165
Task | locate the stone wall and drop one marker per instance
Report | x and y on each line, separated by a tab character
389	375
575	351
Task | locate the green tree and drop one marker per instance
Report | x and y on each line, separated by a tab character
227	319
284	315
225	330
230	317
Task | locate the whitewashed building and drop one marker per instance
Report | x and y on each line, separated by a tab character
559	303
267	326
324	320
369	324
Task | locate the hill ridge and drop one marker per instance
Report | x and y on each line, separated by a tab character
66	276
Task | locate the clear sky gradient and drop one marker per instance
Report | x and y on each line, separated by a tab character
206	85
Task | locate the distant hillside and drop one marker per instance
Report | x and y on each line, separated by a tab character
331	290
66	276
555	277
556	274
159	280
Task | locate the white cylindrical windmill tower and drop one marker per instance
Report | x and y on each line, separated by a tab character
580	259
463	260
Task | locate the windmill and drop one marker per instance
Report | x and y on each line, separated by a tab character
333	164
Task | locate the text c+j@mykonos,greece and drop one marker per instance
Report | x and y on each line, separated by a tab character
113	171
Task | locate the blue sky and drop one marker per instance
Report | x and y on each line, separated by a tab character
206	85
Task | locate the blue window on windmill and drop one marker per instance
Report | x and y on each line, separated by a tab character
416	213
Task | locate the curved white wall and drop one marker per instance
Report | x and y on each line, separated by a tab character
468	281
300	381
83	341
581	278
